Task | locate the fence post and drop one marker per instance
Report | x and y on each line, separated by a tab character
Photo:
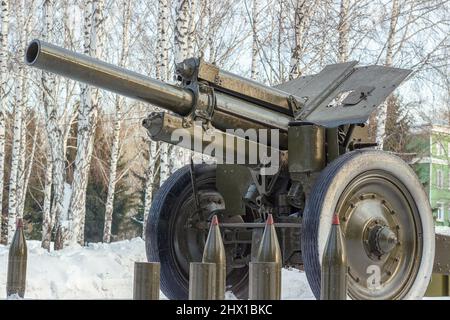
146	281
202	281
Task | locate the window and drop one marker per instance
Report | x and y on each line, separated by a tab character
439	149
439	179
440	211
449	180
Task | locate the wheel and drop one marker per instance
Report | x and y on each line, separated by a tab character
174	238
386	221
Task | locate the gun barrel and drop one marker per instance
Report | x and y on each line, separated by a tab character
94	72
229	112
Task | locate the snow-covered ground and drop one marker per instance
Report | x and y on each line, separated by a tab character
105	271
102	271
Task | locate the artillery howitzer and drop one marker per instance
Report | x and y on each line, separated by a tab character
320	163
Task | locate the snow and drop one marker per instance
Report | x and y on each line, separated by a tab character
103	271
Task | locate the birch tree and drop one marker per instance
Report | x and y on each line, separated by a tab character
17	128
46	208
192	28
47	81
4	17
115	150
153	172
181	30
181	51
302	15
87	121
59	114
254	25
391	38
343	31
26	170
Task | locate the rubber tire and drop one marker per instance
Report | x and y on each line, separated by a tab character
325	195
162	212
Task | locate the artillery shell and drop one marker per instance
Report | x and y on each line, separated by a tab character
334	265
214	252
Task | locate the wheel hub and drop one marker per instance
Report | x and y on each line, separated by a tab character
381	240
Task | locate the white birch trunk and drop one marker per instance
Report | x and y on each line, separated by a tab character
300	20
17	132
15	157
151	181
115	149
153	172
22	160
254	71
164	38
181	50
343	31
87	121
191	34
4	17
181	30
22	171
27	173
46	208
382	110
184	35
211	33
56	142
202	29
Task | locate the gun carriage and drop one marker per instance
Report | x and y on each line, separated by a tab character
324	164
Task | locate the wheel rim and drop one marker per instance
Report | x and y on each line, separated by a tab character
382	230
190	235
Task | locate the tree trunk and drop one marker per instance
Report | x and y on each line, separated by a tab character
382	110
181	30
153	172
87	122
115	149
301	16
254	71
17	131
4	17
211	33
27	172
46	208
184	34
56	143
191	33
152	180
343	30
